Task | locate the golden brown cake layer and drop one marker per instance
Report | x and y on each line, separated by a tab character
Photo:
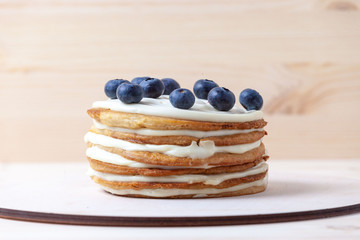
176	185
227	140
154	158
246	191
158	172
135	121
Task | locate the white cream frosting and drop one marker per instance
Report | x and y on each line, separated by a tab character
174	192
201	111
108	157
211	179
192	133
205	149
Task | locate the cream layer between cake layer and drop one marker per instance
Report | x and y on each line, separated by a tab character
203	150
101	155
192	133
108	157
209	179
176	192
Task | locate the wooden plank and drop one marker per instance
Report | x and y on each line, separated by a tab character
303	56
42	41
243	6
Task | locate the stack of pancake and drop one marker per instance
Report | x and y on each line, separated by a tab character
153	150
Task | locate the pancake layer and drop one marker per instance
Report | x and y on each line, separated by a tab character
135	121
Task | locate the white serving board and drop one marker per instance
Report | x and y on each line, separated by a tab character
66	189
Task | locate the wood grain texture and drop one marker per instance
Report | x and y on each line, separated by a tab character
303	56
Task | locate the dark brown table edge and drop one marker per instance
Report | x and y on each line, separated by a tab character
88	220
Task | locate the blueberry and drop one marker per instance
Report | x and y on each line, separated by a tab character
170	85
221	99
182	98
251	99
130	93
202	88
112	85
138	80
153	87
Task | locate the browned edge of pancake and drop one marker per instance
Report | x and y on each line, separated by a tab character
226	140
158	172
136	121
176	185
154	158
245	191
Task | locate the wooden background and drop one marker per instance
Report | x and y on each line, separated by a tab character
302	55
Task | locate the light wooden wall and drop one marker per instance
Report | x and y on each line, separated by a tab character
302	55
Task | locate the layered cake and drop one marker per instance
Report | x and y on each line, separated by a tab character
152	149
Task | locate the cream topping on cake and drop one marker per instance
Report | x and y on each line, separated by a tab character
205	149
201	111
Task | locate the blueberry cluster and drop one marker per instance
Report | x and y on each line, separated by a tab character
138	88
223	99
220	98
